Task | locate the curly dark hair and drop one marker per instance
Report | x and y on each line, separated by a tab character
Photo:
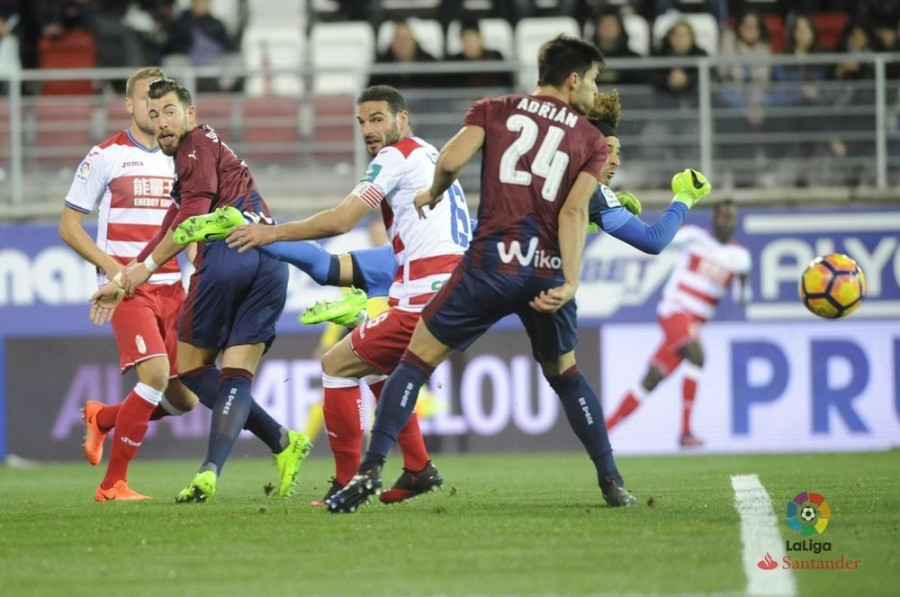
607	108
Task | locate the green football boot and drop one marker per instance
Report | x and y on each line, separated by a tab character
344	311
211	226
200	489
288	462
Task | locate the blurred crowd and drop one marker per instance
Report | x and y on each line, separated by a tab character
751	101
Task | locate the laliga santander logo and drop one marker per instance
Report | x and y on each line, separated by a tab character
767	563
808	513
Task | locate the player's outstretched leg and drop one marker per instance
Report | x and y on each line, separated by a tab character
288	462
365	484
344	311
211	226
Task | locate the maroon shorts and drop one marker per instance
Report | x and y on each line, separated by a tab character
146	326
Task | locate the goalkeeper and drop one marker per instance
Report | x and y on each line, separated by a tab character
617	213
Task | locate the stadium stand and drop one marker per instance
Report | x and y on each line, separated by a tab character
497	33
348	44
428	32
530	34
73	49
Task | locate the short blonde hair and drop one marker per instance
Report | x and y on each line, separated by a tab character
148	72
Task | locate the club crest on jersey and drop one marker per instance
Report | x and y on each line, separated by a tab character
84	172
141	345
534	257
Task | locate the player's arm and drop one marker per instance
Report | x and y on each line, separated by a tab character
454	155
573	222
155	253
330	222
71	231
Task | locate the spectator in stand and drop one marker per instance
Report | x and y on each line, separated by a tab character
404	50
202	38
680	82
801	40
887	39
612	39
473	50
677	88
746	84
798	85
856	41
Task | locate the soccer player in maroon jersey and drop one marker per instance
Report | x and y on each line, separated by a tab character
541	163
234	299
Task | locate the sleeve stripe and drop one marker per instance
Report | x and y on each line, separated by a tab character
77	207
371	197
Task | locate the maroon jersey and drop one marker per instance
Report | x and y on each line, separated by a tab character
534	149
208	175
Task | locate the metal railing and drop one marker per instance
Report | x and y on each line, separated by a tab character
841	142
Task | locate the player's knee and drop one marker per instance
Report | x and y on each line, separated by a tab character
693	353
331	363
180	396
154	373
652	379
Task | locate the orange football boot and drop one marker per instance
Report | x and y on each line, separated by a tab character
119	492
93	437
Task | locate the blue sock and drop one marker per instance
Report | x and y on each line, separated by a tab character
585	416
395	406
229	416
205	383
309	257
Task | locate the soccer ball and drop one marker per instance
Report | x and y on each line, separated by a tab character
808	513
832	286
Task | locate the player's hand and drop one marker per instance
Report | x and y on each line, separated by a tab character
244	238
552	299
424	198
690	186
131	277
105	301
629	202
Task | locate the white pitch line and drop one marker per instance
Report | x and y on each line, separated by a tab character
760	536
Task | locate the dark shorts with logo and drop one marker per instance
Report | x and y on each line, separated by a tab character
472	300
233	299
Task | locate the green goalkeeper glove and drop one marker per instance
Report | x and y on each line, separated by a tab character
629	202
690	186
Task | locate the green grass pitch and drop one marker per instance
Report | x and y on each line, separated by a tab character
503	525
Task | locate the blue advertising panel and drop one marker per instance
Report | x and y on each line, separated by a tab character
44	290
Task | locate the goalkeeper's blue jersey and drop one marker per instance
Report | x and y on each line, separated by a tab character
614	219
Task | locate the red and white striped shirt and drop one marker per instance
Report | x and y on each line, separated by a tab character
702	274
129	184
426	250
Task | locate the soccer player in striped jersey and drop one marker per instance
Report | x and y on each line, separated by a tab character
128	179
426	252
707	266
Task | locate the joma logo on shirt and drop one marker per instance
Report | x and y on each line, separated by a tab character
533	256
132	164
